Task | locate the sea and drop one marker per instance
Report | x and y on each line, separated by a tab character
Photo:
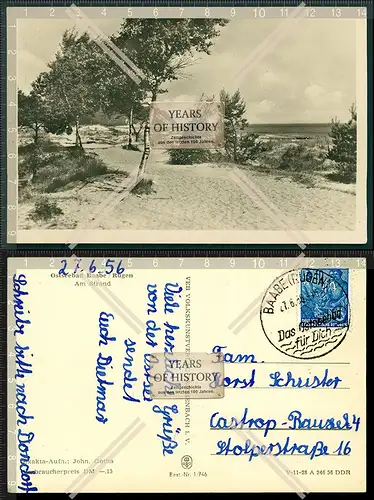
291	129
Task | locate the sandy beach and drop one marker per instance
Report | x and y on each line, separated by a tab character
192	197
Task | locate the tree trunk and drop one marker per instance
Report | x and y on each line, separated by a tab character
146	152
36	135
137	132
78	140
147	146
129	144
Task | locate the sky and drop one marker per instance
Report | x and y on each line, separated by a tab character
300	72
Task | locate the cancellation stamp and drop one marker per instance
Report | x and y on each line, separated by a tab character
187	375
305	312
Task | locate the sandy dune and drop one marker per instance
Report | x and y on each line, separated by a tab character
194	197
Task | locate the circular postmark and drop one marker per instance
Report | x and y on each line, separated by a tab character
305	313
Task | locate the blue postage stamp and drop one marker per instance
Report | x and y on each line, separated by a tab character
324	297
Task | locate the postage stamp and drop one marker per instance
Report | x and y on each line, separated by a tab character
305	312
324	305
187	375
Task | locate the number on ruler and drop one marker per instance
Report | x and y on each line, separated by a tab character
260	12
103	12
51	12
336	12
361	12
310	13
181	10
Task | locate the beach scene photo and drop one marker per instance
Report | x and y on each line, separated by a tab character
287	163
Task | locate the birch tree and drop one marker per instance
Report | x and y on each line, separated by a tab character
68	85
163	49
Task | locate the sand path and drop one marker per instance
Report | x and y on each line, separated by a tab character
196	197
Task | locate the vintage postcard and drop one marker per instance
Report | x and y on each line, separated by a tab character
186	375
187	125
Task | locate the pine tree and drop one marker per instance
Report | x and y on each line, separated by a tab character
240	145
344	139
344	145
31	113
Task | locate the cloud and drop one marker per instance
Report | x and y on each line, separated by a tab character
265	106
269	79
320	98
181	98
31	66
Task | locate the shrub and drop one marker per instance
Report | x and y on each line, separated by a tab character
35	161
189	156
250	148
344	147
298	158
82	169
345	174
241	146
143	187
45	210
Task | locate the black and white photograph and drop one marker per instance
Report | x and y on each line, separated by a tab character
190	130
